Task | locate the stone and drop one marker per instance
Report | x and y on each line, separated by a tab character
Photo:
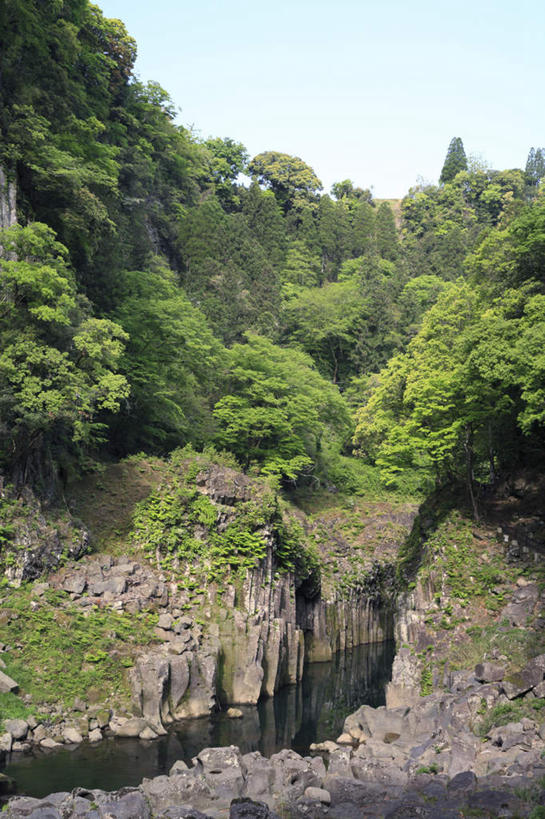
147	733
103	717
222	770
18	728
79	704
75	584
39	733
318	795
72	736
489	672
234	713
95	735
248	809
127	803
6	742
149	680
131	728
328	746
182	812
520	683
7	684
165	621
178	767
539	690
49	742
345	739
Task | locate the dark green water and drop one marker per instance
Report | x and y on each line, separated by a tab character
298	715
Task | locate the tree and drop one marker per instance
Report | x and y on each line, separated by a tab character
276	409
387	243
535	167
455	160
58	365
292	180
228	159
172	361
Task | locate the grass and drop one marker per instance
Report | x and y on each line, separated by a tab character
518	645
511	712
58	652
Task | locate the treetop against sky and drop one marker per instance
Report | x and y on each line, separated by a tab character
373	92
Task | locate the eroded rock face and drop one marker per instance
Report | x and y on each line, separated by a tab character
40	542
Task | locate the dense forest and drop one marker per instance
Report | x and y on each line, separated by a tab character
149	298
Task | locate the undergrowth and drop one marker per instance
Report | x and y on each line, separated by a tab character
57	652
182	530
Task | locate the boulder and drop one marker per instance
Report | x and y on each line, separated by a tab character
222	770
318	795
6	742
18	728
7	684
248	809
95	735
234	713
149	679
72	736
523	681
131	728
489	672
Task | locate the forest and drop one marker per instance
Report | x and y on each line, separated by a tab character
160	289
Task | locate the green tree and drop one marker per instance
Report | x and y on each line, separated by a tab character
277	409
57	364
455	160
292	180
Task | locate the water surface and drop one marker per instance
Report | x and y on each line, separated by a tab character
295	717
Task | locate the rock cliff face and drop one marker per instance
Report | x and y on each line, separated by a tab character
8	213
33	540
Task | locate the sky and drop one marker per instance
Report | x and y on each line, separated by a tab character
367	90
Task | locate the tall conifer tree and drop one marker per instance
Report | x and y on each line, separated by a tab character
455	160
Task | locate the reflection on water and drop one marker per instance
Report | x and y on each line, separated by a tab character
298	715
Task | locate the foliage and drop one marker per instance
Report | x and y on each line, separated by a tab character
58	653
291	179
57	365
276	408
180	528
455	160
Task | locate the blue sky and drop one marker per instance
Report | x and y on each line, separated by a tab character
360	89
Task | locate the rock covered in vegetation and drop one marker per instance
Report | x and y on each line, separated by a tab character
35	540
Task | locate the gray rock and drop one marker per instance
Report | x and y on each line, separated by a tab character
222	770
149	680
523	681
71	735
7	684
6	742
95	735
318	795
75	584
131	728
18	728
248	809
489	672
463	781
165	621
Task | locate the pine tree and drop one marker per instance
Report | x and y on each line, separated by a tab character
535	167
455	161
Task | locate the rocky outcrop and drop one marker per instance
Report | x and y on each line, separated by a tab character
348	619
8	211
35	541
